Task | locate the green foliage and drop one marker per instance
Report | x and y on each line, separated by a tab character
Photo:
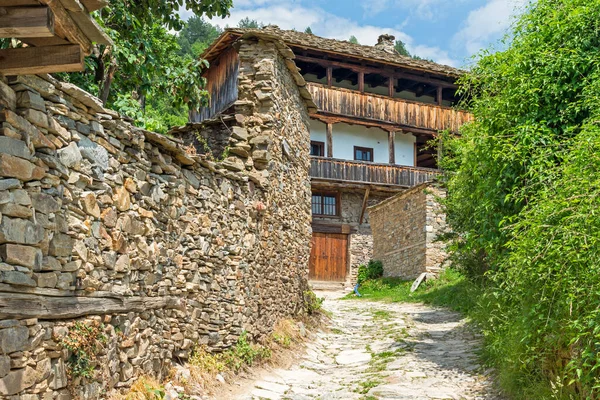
312	303
524	200
196	36
353	39
373	270
401	48
308	30
83	342
250	23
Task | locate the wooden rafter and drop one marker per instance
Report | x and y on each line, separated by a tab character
67	28
26	21
364	206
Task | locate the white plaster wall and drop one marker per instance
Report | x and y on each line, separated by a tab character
346	136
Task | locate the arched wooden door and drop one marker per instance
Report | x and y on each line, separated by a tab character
328	257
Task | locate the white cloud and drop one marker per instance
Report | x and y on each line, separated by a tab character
323	23
487	24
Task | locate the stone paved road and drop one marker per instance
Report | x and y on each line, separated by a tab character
383	351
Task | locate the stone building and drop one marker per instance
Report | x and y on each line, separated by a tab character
374	113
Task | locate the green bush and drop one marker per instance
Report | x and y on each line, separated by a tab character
373	270
312	303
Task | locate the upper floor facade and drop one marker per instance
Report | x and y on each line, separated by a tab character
375	111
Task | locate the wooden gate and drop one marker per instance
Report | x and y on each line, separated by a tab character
328	257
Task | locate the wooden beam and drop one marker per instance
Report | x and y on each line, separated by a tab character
392	146
89	26
373	123
93	5
72	5
364	206
329	74
17	22
394	72
41	60
329	133
18	3
66	28
19	306
41	42
415	158
391	86
439	95
361	81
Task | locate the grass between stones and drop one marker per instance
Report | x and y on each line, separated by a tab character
450	290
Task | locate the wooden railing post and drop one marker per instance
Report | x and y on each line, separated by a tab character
329	140
392	146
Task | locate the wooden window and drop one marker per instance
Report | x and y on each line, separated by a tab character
326	204
363	153
317	148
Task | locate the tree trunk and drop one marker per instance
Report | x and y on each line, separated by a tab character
105	89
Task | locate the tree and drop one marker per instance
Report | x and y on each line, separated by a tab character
196	36
308	30
353	39
401	48
524	199
250	23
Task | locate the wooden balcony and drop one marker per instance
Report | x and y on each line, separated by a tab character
345	171
373	107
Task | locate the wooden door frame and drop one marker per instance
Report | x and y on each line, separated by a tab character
347	255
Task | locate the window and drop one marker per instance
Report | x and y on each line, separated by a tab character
325	204
317	149
363	154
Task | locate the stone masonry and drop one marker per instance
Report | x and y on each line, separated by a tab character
161	248
405	232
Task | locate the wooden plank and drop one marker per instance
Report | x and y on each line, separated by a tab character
72	5
41	60
19	305
17	22
18	3
89	26
364	206
329	75
361	81
439	95
93	5
41	42
329	134
66	28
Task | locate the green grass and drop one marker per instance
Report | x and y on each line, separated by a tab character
450	290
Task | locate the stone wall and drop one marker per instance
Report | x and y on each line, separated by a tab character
405	231
124	230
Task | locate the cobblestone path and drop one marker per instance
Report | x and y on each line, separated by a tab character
379	350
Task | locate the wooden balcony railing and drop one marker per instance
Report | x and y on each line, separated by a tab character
375	107
365	172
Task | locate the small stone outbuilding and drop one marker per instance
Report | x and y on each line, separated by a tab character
406	232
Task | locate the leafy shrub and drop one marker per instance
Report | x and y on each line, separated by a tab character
83	342
312	303
373	270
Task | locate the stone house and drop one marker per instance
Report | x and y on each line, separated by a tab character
374	112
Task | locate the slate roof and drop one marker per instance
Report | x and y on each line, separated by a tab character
307	40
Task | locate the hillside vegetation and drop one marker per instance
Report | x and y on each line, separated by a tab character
525	201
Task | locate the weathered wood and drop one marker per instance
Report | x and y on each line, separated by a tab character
17	22
440	96
18	3
46	41
66	28
364	206
407	114
328	257
72	5
391	86
17	305
392	146
41	60
367	172
370	70
89	26
361	81
93	5
329	75
324	227
329	134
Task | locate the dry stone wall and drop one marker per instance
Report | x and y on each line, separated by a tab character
406	228
122	236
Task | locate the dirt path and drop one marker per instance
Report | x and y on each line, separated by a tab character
382	351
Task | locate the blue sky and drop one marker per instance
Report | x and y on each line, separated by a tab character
447	31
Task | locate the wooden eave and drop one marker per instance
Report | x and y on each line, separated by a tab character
56	35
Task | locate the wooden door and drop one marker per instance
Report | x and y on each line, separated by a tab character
328	257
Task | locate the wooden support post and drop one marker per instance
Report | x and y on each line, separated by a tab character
439	95
392	146
66	28
391	86
41	60
361	81
18	22
329	75
329	140
416	159
364	206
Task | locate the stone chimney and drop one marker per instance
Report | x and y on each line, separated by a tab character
386	43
